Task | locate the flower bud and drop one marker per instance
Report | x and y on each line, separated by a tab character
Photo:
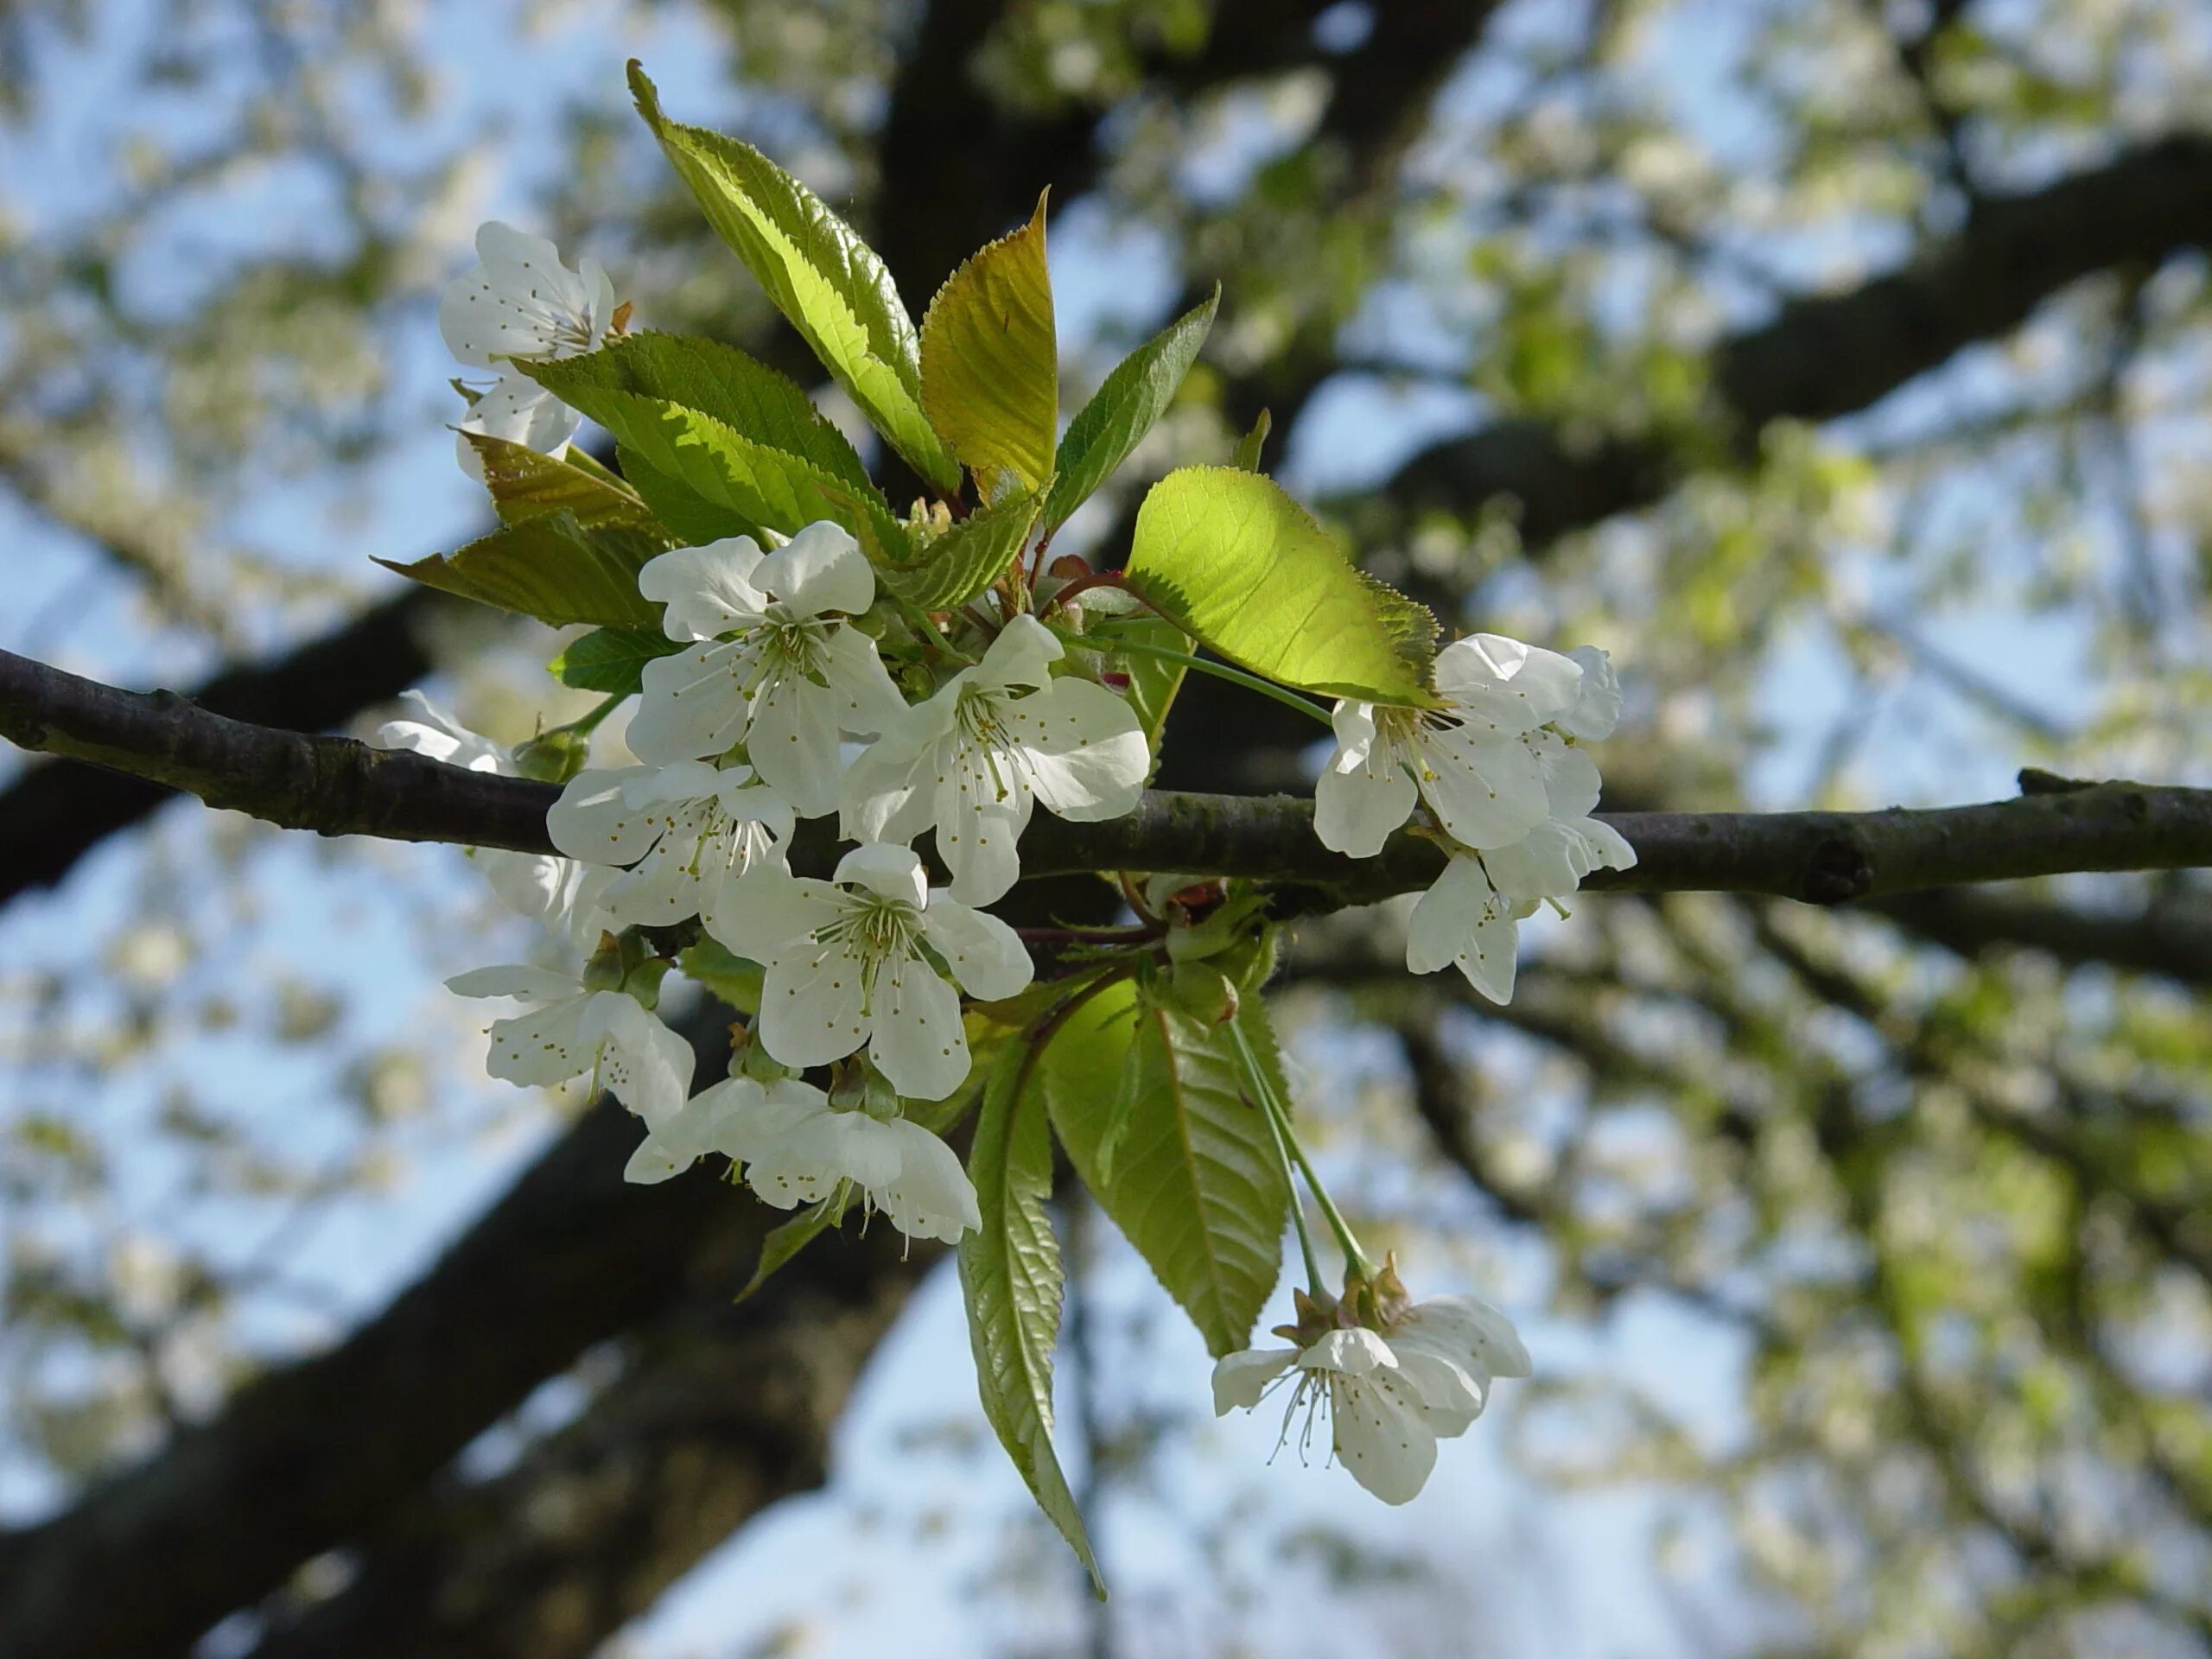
553	757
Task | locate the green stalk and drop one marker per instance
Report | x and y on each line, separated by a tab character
1286	1136
1220	671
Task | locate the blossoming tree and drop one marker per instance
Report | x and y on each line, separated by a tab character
845	716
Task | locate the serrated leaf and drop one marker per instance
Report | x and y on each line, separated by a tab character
700	474
831	285
717	380
611	660
968	558
787	1240
526	484
1193	1181
990	362
1237	563
1253	443
1123	411
689	517
1010	1276
550	567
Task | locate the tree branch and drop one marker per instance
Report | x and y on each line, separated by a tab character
338	787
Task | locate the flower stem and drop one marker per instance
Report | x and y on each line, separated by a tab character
586	723
1286	1140
1220	671
1297	1210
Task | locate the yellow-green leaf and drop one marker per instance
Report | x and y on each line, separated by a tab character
551	568
1150	1105
1237	563
526	484
611	660
820	275
990	362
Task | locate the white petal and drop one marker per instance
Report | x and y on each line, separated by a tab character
811	1002
1571	782
793	743
546	1045
692	705
1364	792
439	736
982	807
1447	1388
699	1129
709	590
1609	848
919	1043
768	914
894	872
1486	788
1022	655
1355	1352
1596	707
786	1162
1086	754
887	791
1517	687
677	782
529	884
1547	863
531	984
1240	1379
1381	1436
595	819
868	702
986	956
931	1196
1462	922
641	1062
819	569
1476	1328
521	411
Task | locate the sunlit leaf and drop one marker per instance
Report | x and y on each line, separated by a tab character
990	362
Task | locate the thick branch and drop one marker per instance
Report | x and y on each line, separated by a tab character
338	787
313	1453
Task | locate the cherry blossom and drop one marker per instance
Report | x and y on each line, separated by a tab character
845	968
796	1148
770	663
684	830
1389	1394
556	891
575	1029
973	761
520	302
1467	760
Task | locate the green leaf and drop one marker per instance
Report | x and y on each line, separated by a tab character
525	485
550	567
1010	1275
1237	563
718	380
821	276
722	974
1249	447
968	558
1193	1179
699	473
792	1236
990	362
611	660
1123	411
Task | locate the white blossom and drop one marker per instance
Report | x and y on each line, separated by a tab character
770	662
1389	1396
973	761
1468	760
1464	922
520	302
555	892
575	1030
685	830
796	1148
845	966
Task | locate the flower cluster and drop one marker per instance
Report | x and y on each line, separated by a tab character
1500	764
776	707
789	688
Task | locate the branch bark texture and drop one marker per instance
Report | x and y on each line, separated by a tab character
338	787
